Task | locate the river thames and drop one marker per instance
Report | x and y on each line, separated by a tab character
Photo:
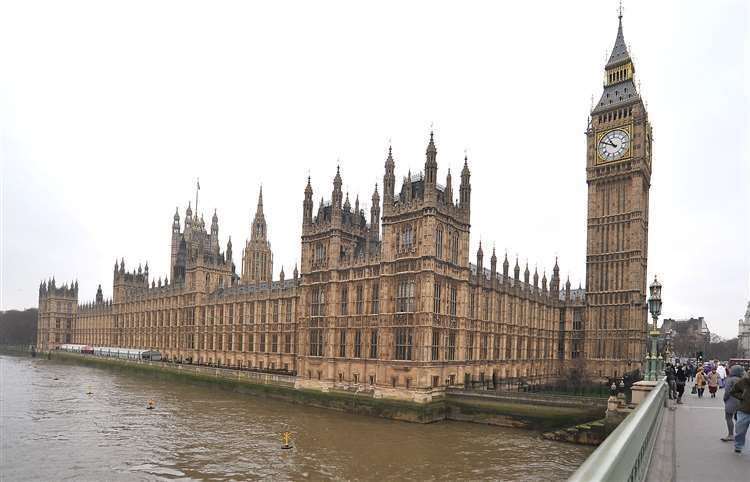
53	430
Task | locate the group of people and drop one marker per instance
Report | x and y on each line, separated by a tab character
736	385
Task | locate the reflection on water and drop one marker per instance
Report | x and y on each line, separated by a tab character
53	430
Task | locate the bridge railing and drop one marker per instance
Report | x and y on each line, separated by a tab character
625	454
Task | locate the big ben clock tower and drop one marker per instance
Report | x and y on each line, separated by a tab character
618	174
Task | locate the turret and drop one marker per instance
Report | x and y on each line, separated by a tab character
229	251
99	295
215	226
307	204
449	189
337	196
517	271
176	222
493	266
544	282
465	189
430	166
296	271
389	179
480	263
536	278
188	216
375	215
281	276
567	289
506	266
526	273
554	285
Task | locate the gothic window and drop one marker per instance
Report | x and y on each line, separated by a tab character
439	242
375	298
435	344
262	345
316	342
318	302
344	300
288	343
454	249
360	300
486	313
276	311
342	343
358	344
374	343
470	345
408	238
262	308
450	345
454	297
496	347
436	298
483	347
403	343
251	312
288	310
405	297
274	343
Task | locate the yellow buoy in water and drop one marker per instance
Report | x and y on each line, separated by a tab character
286	437
151	405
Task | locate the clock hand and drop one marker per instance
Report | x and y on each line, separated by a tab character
608	142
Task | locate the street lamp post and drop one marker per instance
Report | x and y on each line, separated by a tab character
654	362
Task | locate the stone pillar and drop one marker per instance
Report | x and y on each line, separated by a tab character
640	390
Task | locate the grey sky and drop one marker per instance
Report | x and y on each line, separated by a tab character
109	111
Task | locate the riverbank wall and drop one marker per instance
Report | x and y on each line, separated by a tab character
528	411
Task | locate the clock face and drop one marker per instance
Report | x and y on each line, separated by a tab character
613	145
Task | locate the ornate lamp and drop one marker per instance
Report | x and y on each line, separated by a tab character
654	306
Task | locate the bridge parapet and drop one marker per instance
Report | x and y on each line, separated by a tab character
626	453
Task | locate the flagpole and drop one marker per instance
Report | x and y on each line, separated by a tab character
198	188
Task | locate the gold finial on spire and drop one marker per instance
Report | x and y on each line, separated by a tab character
619	11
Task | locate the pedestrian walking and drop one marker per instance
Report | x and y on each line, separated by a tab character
700	382
681	375
741	391
691	372
713	382
730	403
722	371
669	372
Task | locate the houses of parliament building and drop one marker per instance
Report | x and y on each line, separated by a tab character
389	299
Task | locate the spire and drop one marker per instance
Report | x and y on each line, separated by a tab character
506	265
307	204
389	180
430	165
347	204
620	50
260	202
493	265
296	272
526	273
517	271
536	278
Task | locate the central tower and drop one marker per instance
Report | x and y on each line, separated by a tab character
618	174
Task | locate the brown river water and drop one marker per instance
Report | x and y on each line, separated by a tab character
53	430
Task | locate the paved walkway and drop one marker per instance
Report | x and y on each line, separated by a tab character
701	456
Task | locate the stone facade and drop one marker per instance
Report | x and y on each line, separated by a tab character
390	303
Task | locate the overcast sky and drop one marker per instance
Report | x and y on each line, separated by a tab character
109	111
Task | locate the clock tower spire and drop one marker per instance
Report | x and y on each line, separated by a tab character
618	174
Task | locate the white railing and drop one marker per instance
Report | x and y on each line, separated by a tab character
625	454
